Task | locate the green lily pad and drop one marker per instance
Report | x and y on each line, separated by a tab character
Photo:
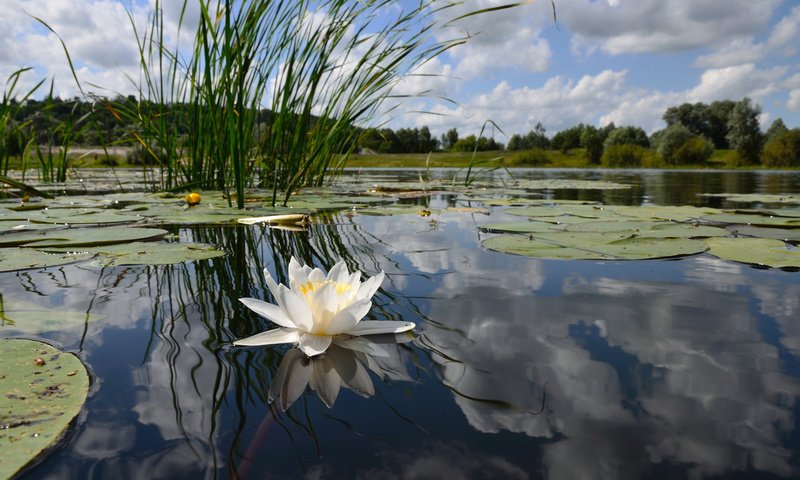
518	227
152	253
755	197
81	216
752	219
593	246
43	390
574	210
563	184
12	259
785	234
650	229
80	237
398	210
24	318
759	251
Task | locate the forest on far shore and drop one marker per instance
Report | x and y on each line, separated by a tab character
693	132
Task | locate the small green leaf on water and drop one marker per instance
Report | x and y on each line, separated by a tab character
151	253
753	219
759	251
43	390
80	237
12	259
518	227
593	246
785	234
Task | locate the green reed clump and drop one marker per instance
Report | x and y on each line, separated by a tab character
12	138
271	92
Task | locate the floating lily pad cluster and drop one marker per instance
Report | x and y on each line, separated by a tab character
43	390
570	230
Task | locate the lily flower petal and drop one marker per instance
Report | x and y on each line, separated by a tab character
295	308
375	327
269	311
312	344
368	288
270	337
338	273
349	317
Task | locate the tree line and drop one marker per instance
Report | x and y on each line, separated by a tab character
693	131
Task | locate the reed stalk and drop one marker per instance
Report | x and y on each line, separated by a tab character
272	93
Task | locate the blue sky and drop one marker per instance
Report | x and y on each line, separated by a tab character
624	61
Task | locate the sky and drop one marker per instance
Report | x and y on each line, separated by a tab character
601	61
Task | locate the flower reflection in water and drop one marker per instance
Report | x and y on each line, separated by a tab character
346	363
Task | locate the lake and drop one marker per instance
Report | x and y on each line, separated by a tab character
519	367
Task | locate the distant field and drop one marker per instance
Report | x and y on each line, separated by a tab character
572	159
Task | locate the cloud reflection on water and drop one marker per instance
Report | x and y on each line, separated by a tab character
635	373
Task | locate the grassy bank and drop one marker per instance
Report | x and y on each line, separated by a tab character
575	158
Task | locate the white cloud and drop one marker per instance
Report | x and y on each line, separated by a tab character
794	101
498	40
736	82
662	25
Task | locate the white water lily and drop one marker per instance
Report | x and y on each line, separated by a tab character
315	308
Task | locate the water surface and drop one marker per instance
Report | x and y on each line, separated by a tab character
519	367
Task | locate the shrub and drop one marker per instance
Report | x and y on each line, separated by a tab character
695	151
533	157
624	155
783	149
678	146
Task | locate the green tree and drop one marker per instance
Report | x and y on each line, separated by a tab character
627	136
783	149
744	133
449	139
567	139
592	141
776	128
718	114
536	138
693	116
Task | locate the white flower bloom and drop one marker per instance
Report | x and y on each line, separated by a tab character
315	308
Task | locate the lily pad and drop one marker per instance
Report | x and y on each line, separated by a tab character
753	219
80	237
398	210
151	253
562	184
81	216
759	251
518	227
650	229
593	246
44	389
785	234
12	259
755	197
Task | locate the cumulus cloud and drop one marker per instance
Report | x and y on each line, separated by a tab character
662	25
794	101
497	40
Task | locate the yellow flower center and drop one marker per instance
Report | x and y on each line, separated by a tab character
310	286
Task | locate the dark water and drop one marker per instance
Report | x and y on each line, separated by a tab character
520	368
